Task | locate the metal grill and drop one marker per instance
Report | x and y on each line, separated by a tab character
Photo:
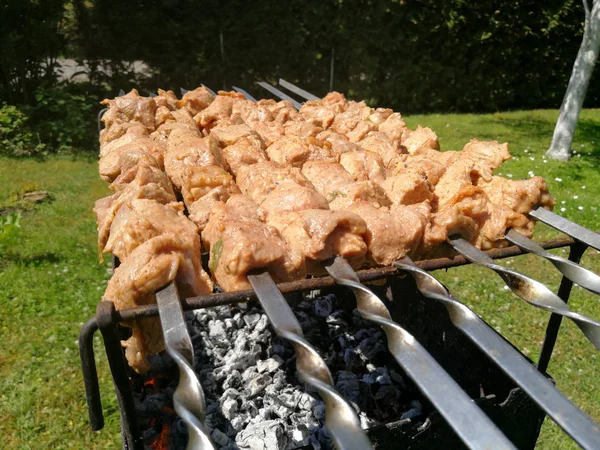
409	339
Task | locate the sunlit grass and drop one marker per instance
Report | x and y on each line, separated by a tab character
50	282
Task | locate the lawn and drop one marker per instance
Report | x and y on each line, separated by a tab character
51	281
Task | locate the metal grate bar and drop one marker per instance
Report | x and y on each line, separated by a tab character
566	414
468	421
340	417
533	292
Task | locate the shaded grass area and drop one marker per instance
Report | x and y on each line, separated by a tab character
50	282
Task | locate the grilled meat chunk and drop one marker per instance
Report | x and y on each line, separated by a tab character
240	241
130	108
316	235
149	267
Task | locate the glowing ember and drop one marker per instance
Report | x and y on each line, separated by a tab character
162	441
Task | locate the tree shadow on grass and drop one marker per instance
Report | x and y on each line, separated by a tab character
29	260
541	130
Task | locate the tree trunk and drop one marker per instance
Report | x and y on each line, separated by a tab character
560	148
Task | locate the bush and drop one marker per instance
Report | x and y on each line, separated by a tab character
64	118
16	138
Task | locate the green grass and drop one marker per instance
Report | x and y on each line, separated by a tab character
50	282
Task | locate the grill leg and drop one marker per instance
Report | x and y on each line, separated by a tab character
90	375
105	314
564	291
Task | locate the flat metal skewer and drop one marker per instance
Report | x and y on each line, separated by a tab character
244	93
296	90
566	226
340	417
213	93
574	272
469	422
282	95
530	290
565	413
188	397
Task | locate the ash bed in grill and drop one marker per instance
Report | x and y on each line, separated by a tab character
431	336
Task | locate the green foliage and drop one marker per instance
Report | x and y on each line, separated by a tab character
9	225
31	42
421	56
64	118
16	138
61	119
425	56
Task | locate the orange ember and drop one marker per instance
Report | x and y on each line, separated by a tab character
162	441
152	382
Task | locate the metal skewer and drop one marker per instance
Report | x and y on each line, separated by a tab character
296	90
213	93
565	413
340	417
282	95
566	226
533	292
466	419
574	272
188	397
244	93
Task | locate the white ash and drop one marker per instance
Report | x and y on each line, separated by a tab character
254	399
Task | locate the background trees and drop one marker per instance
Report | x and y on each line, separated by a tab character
560	148
417	56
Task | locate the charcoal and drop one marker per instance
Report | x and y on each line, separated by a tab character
239	422
153	404
269	365
347	385
323	306
230	393
249	406
370	347
383	376
233	380
254	397
265	435
300	436
238	320
397	378
229	408
219	438
387	393
262	324
415	410
149	435
249	373
353	360
217	332
258	384
305	402
251	320
319	410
